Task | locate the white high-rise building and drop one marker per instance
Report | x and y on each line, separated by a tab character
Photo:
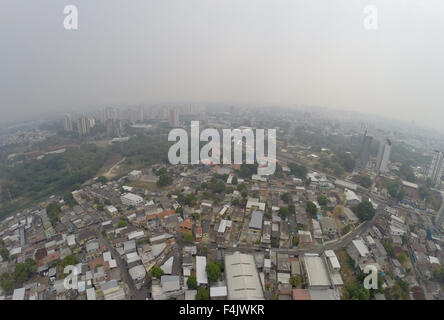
174	117
383	158
435	171
67	123
83	126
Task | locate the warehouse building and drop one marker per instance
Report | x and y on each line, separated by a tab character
242	277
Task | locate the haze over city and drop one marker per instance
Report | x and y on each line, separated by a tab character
265	52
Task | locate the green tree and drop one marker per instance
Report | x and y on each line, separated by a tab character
246	170
69	199
283	212
402	257
122	223
190	199
156	272
217	187
311	208
188	236
364	211
356	291
322	200
164	180
234	181
364	181
192	282
389	248
286	197
23	271
69	260
53	210
7	283
213	271
295	280
298	170
102	180
407	173
4	253
202	294
295	241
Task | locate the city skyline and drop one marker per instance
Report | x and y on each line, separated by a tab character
288	52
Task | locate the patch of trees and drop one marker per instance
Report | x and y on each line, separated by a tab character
217	186
286	197
122	222
54	174
246	170
311	209
69	199
356	291
400	291
23	271
295	280
4	253
406	172
188	236
438	274
164	180
7	282
192	282
364	181
202	294
156	272
395	189
389	248
322	200
364	211
69	260
426	194
299	171
283	212
53	210
213	271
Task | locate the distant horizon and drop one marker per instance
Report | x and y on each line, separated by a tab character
278	52
89	110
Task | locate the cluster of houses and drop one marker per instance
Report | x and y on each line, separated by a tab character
119	232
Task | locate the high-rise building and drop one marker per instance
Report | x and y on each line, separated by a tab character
83	126
114	128
173	117
435	171
365	150
382	160
67	123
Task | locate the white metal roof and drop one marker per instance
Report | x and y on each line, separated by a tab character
218	291
135	234
242	277
19	294
361	247
317	272
201	273
167	267
91	294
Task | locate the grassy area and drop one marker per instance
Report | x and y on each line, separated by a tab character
143	184
347	269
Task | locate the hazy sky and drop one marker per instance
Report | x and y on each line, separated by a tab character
314	52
